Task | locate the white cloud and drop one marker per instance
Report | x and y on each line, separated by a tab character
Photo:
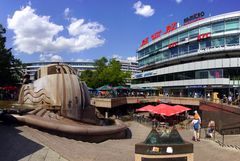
143	10
50	58
178	1
66	13
117	57
77	27
34	33
132	58
45	57
56	58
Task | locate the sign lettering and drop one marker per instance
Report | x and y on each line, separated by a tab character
144	41
171	27
172	45
156	35
193	18
204	36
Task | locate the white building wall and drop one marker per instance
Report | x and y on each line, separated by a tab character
200	65
190	82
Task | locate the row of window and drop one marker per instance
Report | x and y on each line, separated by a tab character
190	48
217	27
232	73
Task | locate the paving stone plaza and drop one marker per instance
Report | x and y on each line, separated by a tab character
29	144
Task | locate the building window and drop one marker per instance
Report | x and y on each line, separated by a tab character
193	33
166	54
193	47
158	45
205	29
174	52
232	40
217	42
201	74
151	48
218	27
169	77
160	78
141	54
183	49
183	37
205	44
159	57
232	25
165	43
173	39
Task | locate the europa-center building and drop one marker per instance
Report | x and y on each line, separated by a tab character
197	58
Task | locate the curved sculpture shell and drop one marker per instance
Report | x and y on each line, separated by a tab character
57	86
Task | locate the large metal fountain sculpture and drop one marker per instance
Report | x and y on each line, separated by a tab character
62	104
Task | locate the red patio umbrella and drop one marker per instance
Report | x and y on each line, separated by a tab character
166	110
181	108
146	108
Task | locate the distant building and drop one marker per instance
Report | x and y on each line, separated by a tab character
129	66
31	68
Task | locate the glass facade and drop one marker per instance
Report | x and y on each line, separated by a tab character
218	27
201	74
232	25
217	42
188	42
232	40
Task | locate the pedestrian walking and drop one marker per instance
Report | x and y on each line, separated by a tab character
196	126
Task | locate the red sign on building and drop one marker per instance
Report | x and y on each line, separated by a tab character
172	44
204	36
171	27
144	41
156	35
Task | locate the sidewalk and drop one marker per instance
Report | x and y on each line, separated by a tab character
16	146
31	144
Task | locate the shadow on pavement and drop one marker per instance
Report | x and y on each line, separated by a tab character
13	145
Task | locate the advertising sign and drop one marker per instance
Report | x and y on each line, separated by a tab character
193	18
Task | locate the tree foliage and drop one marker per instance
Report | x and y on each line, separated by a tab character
106	73
10	68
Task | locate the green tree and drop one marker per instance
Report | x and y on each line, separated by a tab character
106	73
117	77
10	68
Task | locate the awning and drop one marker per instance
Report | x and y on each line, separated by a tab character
166	110
148	108
105	88
121	88
181	108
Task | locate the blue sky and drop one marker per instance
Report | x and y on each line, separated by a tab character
75	30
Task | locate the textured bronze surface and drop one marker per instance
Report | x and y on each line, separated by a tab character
61	105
